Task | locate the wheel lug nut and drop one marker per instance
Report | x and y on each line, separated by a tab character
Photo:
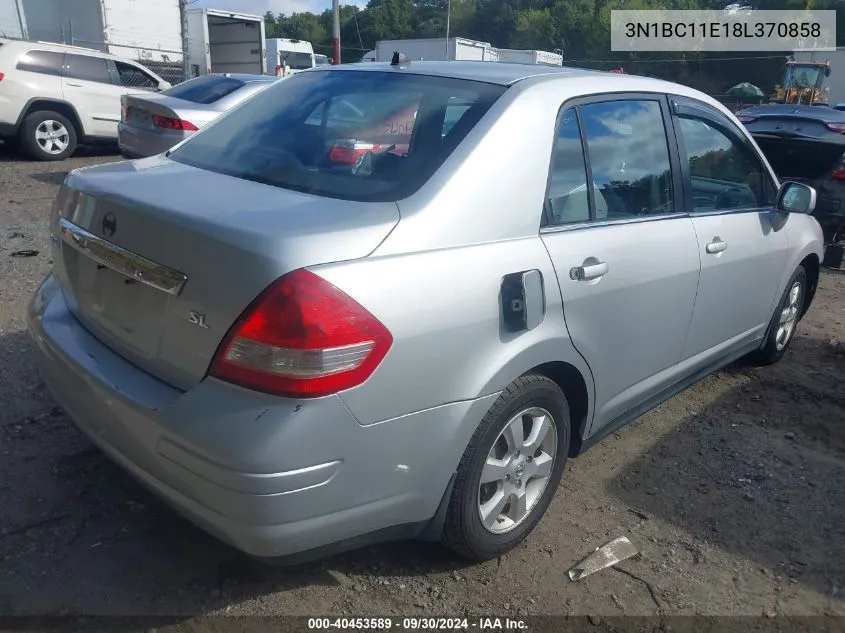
529	459
507	477
518	483
517	453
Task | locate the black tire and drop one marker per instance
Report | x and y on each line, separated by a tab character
29	141
770	353
463	530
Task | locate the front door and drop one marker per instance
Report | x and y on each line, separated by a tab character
741	239
624	250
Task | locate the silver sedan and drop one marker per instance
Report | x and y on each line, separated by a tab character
382	301
153	123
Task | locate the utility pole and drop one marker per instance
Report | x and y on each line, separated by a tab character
335	31
448	16
183	17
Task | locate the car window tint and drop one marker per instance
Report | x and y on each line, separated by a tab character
45	62
568	201
629	158
296	61
133	77
455	109
88	68
724	173
205	90
355	135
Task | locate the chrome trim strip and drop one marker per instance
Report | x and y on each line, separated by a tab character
122	261
575	226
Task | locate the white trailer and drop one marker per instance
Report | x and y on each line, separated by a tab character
519	56
836	81
226	42
148	31
288	57
437	49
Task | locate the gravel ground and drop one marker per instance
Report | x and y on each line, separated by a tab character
733	491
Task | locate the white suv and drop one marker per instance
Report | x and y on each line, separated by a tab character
54	96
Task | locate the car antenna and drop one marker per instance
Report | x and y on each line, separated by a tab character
400	59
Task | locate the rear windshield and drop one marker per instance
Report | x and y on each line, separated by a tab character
296	61
206	90
355	135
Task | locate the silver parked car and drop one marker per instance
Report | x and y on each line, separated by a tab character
360	307
153	123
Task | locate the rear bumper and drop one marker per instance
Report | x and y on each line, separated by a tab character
271	476
137	143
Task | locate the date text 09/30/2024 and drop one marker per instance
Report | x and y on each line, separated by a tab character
417	624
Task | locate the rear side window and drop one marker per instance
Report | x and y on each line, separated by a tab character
568	200
205	90
88	68
45	62
133	77
367	136
628	152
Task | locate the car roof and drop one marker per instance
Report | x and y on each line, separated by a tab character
246	77
62	48
502	73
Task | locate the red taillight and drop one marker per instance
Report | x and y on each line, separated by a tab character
302	338
2	76
836	127
348	152
839	173
124	112
173	124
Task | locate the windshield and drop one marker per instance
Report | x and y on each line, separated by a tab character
356	135
802	76
205	90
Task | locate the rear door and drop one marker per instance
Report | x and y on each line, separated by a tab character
741	240
88	86
624	250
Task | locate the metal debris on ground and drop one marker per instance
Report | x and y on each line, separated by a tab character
605	556
24	253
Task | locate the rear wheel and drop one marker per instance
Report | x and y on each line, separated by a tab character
48	136
510	471
784	321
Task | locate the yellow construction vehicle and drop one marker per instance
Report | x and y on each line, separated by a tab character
803	84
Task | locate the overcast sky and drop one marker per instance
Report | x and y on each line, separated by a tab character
260	7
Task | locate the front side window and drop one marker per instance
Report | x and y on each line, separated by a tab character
44	62
724	172
628	152
133	77
88	68
344	134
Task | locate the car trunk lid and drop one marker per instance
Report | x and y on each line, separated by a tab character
145	111
158	259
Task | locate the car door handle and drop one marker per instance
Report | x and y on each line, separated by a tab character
67	83
592	271
716	246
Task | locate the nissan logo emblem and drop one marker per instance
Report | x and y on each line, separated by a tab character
109	225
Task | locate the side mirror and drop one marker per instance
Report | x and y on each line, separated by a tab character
164	85
794	197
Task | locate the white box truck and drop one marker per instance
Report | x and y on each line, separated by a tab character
836	81
437	49
288	56
519	56
226	42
